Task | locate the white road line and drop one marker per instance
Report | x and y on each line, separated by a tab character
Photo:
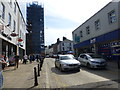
47	79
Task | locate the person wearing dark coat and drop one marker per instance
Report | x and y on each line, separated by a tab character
16	61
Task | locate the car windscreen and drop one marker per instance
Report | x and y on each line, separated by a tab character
66	57
95	56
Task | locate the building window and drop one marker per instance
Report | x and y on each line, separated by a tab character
70	48
3	11
112	16
14	8
81	34
97	25
10	3
77	38
87	30
63	48
9	19
14	26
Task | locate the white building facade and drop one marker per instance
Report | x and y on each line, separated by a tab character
65	46
100	33
12	29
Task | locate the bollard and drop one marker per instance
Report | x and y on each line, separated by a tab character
35	76
40	66
38	70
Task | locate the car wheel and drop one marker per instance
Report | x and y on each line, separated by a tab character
55	65
88	65
61	68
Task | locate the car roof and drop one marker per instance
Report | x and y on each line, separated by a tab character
66	55
87	53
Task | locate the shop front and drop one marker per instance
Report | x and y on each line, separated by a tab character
105	45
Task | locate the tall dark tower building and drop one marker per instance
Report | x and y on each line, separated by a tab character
35	28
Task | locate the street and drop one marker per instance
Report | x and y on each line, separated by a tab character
51	77
86	78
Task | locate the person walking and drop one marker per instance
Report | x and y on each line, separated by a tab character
37	57
2	62
25	59
16	57
30	58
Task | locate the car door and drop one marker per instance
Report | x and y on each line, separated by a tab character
58	62
86	61
81	59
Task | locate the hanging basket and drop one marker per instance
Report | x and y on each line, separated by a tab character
20	40
14	34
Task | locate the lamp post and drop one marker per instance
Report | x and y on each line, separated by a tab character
19	40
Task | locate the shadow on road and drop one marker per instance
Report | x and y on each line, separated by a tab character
102	85
57	71
31	88
106	73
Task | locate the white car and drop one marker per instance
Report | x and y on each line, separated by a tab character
67	62
92	60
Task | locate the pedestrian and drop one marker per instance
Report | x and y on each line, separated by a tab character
16	57
2	61
33	57
25	59
30	58
37	57
3	65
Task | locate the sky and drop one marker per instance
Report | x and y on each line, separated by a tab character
62	17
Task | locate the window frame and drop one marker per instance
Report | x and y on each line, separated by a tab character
14	25
81	33
3	11
87	30
9	19
97	24
112	18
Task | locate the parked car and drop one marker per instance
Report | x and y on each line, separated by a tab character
54	56
92	60
67	62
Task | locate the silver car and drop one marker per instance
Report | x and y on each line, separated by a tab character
92	60
67	62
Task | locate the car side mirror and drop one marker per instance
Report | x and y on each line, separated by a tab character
57	58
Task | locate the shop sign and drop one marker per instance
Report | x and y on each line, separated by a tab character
93	40
116	50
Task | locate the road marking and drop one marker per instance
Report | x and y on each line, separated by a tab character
47	79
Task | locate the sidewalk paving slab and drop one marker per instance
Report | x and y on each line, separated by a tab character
22	77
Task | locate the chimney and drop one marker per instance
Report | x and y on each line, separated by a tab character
64	38
58	40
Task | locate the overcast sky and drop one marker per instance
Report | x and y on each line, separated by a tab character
64	16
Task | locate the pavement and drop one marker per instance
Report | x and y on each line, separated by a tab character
23	76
